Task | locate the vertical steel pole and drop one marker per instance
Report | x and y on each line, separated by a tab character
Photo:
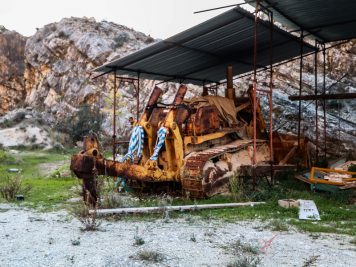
316	102
300	84
254	94
138	97
114	120
324	102
271	95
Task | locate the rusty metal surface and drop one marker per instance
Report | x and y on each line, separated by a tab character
180	94
192	180
204	121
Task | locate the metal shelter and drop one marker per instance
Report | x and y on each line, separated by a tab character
199	55
324	20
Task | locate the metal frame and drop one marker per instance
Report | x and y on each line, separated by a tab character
137	95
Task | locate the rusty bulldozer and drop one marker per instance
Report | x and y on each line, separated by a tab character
194	145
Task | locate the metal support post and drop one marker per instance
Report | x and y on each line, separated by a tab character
271	95
114	120
138	97
300	84
316	102
324	102
254	161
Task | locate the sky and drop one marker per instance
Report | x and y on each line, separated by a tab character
158	18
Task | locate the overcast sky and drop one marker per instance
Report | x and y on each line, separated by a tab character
159	18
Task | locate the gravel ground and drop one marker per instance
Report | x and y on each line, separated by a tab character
28	238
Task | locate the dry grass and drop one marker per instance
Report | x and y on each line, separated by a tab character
245	261
150	256
89	221
237	188
311	261
278	225
242	248
13	186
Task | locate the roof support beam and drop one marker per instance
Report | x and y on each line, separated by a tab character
275	7
321	97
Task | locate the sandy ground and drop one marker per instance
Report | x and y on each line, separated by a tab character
28	238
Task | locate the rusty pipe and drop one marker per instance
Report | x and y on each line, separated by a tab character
230	91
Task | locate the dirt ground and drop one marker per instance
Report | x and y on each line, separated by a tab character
28	238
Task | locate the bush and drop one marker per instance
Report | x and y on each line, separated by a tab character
89	221
150	255
6	158
245	262
88	118
352	168
120	39
12	187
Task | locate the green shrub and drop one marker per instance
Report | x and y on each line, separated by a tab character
12	186
88	118
5	158
352	168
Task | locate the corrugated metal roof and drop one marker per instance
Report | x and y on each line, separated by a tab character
201	53
326	20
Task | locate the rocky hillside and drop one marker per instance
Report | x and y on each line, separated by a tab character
12	68
51	75
60	55
341	114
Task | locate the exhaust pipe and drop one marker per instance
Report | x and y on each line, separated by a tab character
230	91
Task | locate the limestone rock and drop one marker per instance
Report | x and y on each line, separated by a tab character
12	67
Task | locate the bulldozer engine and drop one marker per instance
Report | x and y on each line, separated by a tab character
196	144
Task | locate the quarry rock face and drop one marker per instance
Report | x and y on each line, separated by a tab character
52	75
12	67
60	56
340	114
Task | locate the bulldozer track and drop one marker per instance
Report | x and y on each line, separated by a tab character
193	170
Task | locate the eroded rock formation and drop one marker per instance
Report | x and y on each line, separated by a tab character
12	67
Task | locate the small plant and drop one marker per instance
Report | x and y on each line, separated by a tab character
111	200
241	248
150	255
88	219
278	225
352	168
193	238
6	158
12	186
138	241
121	39
311	261
33	139
75	242
245	261
236	187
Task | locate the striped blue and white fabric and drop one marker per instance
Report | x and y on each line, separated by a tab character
135	145
161	137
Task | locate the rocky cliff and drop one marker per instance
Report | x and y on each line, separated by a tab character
59	58
340	114
51	74
12	67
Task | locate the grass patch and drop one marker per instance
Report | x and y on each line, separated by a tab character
89	221
338	214
245	261
242	248
278	225
150	256
46	192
